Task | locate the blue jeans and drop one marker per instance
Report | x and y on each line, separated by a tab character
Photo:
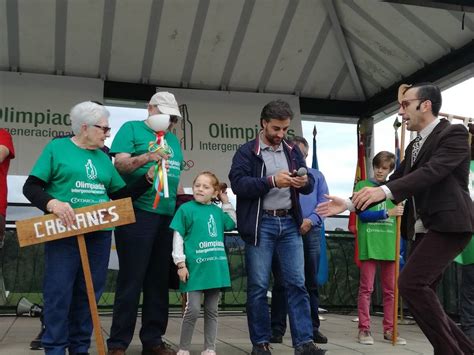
311	247
144	253
467	301
278	236
67	319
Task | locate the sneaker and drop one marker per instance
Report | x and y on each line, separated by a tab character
319	337
387	336
208	352
309	348
365	337
36	342
276	339
261	349
183	352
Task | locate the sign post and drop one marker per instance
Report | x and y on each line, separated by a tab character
88	219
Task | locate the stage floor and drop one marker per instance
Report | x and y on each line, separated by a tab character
17	332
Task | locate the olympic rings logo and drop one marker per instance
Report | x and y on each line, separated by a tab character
187	165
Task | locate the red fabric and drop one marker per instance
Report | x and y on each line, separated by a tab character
361	174
5	140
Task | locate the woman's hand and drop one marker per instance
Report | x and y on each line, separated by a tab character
63	210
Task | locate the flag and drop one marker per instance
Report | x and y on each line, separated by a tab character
396	125
323	271
403	245
361	174
315	164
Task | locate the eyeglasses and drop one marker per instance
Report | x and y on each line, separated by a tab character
405	103
104	129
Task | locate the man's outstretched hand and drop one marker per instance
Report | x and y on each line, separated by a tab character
367	196
333	206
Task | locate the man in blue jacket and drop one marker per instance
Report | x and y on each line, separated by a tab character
267	177
310	229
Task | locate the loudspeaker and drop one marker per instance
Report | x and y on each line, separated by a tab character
32	309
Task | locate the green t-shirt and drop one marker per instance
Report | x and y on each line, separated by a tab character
202	228
467	255
79	176
376	240
134	138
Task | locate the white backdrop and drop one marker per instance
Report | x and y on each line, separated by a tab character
35	108
216	123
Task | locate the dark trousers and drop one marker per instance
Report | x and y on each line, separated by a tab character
279	308
144	252
430	256
467	301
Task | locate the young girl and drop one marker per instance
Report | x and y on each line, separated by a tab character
376	231
202	266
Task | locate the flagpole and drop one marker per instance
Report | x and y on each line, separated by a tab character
397	252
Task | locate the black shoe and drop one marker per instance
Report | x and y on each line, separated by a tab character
276	339
319	337
36	342
261	349
309	349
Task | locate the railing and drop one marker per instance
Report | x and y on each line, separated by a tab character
22	271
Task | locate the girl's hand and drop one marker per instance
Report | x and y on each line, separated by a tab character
183	274
223	197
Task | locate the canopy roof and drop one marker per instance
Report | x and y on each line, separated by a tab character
342	57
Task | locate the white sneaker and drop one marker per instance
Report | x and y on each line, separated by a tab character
387	336
365	338
182	352
208	352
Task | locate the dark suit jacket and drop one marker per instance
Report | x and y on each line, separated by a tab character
439	182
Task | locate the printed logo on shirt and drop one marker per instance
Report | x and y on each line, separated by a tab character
211	226
91	170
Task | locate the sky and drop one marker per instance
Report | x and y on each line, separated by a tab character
337	143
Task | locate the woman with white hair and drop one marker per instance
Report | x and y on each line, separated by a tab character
70	173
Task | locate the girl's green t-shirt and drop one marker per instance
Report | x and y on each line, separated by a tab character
81	177
376	240
134	138
202	228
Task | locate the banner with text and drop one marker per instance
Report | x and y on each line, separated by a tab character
34	108
216	123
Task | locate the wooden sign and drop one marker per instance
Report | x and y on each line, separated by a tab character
88	219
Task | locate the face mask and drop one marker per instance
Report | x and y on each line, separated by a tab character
159	122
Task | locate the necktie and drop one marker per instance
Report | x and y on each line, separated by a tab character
416	148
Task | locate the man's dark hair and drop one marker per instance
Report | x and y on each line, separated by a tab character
429	91
299	139
384	157
277	109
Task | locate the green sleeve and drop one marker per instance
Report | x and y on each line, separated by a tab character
229	224
179	221
43	168
116	182
124	140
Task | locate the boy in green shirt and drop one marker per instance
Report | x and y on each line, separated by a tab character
376	233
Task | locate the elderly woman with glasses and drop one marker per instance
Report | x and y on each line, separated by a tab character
70	173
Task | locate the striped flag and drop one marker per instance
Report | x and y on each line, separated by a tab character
361	174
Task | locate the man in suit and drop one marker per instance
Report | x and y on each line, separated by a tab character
439	216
